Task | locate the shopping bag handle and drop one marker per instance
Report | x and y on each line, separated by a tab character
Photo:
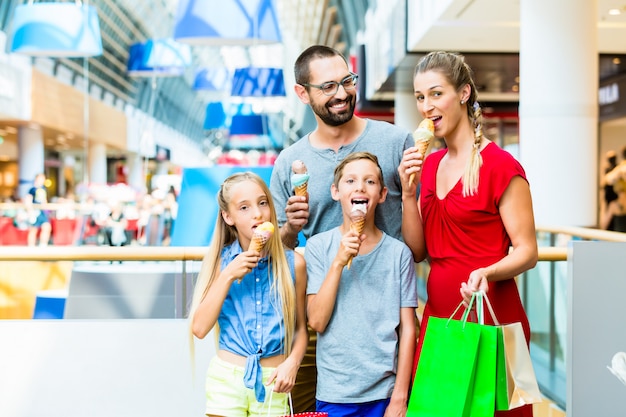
465	313
269	404
477	297
480	312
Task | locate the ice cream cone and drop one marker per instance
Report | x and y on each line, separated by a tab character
357	216
260	237
258	242
423	137
301	190
300	178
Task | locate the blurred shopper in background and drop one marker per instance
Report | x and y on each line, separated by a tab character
616	210
607	220
38	217
115	225
170	211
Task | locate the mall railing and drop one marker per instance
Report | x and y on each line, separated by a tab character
154	272
543	289
544	294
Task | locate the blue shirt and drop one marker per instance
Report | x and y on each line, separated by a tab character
251	320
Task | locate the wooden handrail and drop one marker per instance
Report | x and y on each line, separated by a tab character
584	233
552	254
102	253
195	253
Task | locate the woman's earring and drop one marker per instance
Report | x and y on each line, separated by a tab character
462	101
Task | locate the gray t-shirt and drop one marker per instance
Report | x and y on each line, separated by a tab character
383	139
357	353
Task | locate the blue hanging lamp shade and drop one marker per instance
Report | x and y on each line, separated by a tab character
258	82
158	58
211	79
227	22
56	30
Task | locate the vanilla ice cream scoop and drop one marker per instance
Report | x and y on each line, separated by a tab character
423	137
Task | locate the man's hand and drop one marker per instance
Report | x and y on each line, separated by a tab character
297	211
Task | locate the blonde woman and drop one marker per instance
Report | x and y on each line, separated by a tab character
258	302
473	219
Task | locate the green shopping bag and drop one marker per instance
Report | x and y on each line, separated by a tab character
483	394
445	371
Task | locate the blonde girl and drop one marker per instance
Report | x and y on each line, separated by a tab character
257	301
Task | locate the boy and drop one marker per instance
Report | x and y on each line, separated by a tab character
364	315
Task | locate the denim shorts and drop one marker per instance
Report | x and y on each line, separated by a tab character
41	218
227	395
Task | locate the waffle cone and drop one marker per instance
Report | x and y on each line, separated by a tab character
357	226
258	243
301	190
422	145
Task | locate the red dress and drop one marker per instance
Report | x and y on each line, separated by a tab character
466	233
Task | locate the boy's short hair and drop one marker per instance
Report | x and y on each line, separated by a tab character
356	156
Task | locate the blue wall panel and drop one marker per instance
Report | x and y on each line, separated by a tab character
197	205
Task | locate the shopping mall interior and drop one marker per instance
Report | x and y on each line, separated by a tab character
143	107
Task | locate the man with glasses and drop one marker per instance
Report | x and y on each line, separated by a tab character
325	83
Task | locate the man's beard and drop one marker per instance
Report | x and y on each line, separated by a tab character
332	118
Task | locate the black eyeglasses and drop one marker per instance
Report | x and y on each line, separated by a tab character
330	88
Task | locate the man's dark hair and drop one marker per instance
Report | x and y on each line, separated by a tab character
301	68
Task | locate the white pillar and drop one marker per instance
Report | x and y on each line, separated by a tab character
97	163
136	177
559	108
405	111
30	151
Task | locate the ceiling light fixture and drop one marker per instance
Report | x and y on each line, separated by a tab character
258	82
227	22
56	30
158	58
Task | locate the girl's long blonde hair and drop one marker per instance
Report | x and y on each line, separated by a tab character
282	285
459	74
